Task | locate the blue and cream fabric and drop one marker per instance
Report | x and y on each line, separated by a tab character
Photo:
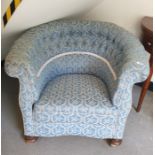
66	88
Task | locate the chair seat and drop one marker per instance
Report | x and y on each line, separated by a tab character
74	98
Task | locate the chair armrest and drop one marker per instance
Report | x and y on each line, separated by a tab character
136	61
134	69
19	64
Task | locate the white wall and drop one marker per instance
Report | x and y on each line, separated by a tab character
126	13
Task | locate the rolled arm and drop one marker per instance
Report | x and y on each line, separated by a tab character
136	62
134	68
19	64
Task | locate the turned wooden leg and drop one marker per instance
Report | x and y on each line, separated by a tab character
29	139
115	142
144	89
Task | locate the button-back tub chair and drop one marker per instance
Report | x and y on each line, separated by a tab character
76	78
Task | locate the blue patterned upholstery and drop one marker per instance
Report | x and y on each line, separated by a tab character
74	100
76	78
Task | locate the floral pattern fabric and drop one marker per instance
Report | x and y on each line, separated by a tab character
39	96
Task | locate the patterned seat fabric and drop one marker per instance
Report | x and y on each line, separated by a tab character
79	102
75	90
76	77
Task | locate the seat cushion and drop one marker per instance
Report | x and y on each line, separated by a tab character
82	93
74	104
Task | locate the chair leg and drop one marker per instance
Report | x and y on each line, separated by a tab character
144	89
29	139
115	142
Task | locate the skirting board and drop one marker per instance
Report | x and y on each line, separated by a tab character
138	84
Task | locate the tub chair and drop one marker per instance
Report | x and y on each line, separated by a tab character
76	78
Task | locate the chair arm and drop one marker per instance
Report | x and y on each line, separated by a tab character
134	69
136	61
19	64
28	94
